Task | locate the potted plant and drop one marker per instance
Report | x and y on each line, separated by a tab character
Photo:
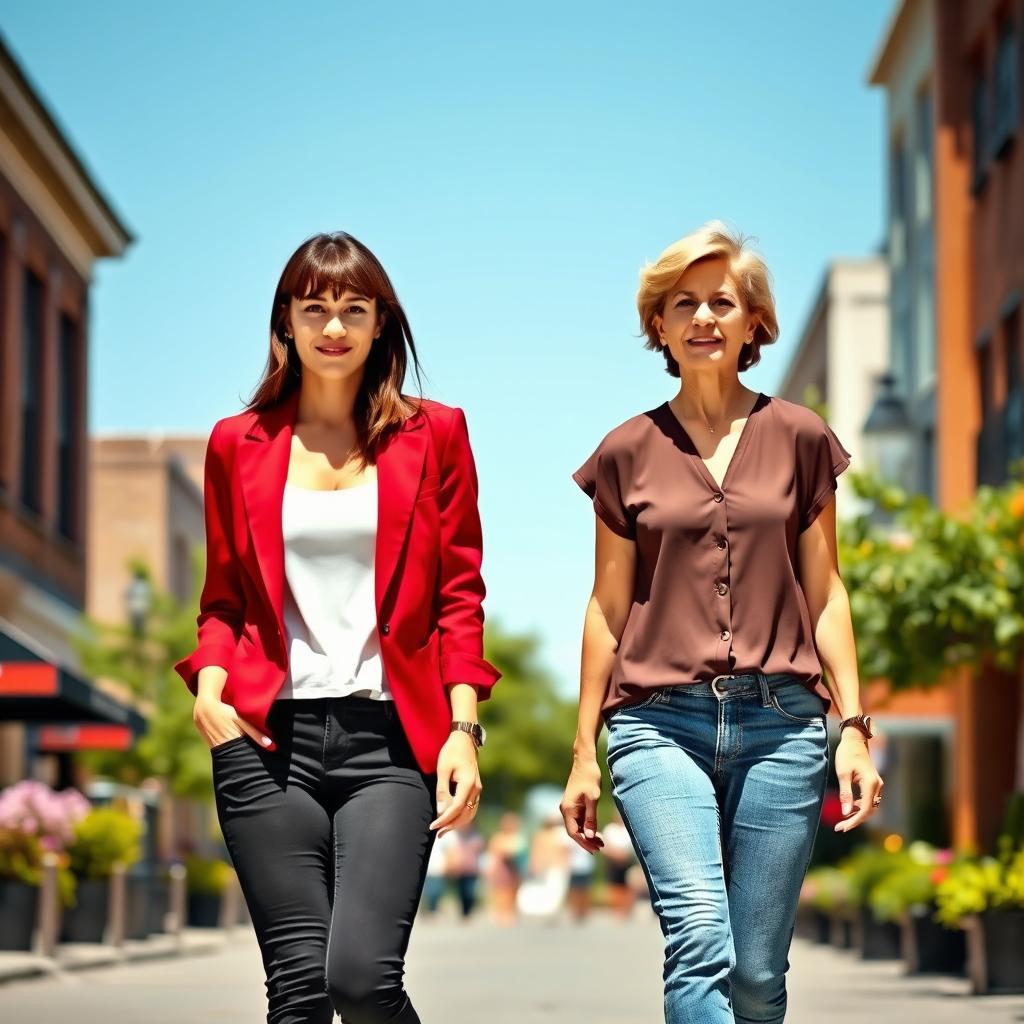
104	838
818	898
147	902
830	898
907	897
985	896
208	877
867	868
34	820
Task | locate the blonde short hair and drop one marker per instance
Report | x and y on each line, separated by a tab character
748	269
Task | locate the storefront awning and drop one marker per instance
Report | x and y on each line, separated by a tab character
34	689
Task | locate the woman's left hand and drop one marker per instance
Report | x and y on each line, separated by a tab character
457	763
854	767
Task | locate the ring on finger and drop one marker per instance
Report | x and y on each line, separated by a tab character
877	801
471	804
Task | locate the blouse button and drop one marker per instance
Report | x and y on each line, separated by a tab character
385	629
718	496
721	543
726	634
722	588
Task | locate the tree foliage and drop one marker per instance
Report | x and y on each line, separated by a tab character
931	590
171	748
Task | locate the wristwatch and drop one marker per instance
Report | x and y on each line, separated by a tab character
862	723
475	729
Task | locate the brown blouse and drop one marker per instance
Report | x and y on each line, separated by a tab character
717	587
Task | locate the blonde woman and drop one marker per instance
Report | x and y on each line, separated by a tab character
717	601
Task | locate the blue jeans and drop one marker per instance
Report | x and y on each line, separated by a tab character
720	785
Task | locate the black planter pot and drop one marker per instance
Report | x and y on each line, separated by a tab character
19	909
147	899
995	952
86	921
878	940
821	928
931	948
204	910
159	904
840	931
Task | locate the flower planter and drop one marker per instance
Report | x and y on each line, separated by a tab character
995	951
877	940
814	926
147	900
204	910
86	921
841	931
931	948
19	909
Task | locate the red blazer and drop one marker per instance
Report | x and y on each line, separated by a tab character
429	592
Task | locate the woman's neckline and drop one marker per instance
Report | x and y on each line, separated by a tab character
759	403
331	490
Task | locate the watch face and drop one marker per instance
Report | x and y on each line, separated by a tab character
869	725
483	735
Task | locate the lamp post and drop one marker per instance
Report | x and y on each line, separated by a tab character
138	599
889	435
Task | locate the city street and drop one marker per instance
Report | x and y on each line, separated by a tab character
601	973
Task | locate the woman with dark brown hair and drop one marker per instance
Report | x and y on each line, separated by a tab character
339	662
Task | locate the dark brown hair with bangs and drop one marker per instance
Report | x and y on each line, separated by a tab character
336	262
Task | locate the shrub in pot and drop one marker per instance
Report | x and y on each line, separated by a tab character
985	896
104	838
207	878
34	820
907	897
867	868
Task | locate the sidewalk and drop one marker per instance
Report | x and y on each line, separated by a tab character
72	956
599	973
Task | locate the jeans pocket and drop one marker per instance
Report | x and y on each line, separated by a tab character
796	703
228	744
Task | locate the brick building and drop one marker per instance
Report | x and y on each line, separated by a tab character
54	225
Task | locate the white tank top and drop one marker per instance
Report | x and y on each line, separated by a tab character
330	611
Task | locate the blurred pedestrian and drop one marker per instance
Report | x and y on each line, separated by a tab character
581	880
339	660
717	602
618	852
504	868
436	883
542	895
464	853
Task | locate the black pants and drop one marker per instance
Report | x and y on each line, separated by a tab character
329	837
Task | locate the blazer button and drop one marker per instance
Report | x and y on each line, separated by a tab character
385	629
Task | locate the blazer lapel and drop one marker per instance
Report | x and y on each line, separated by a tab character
263	469
399	470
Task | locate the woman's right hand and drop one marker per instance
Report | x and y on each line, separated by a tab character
218	723
579	804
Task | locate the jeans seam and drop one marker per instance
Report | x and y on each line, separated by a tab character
334	905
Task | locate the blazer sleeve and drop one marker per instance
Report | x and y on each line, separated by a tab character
220	604
460	617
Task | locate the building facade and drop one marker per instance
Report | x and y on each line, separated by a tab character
952	73
54	225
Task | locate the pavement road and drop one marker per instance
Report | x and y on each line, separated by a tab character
598	973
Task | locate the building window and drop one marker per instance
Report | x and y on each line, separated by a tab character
979	126
31	392
181	568
1005	92
1013	411
68	427
4	412
923	244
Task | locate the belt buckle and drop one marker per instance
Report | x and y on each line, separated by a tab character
720	690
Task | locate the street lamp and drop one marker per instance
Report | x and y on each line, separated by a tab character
138	599
889	435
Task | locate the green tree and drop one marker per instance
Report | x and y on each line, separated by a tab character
171	748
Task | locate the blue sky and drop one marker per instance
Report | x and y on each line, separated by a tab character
513	167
